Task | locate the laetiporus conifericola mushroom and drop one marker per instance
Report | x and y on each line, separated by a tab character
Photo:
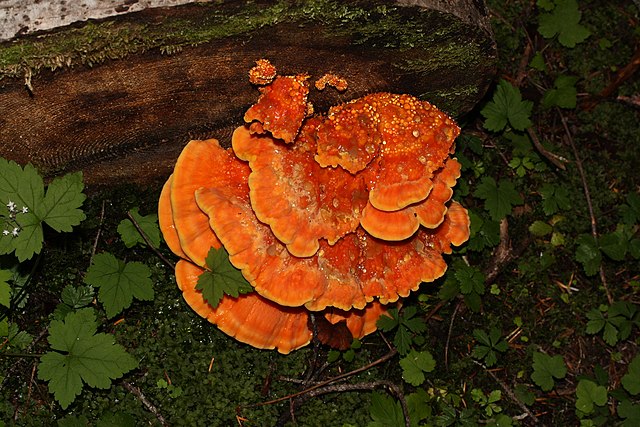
339	215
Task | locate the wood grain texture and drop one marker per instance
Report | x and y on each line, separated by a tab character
127	120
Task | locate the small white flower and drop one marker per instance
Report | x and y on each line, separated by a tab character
25	209
5	232
11	206
15	232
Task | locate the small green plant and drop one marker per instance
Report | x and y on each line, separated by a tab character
615	321
564	93
589	395
415	364
546	368
408	327
468	281
507	108
80	355
172	390
119	282
489	345
221	278
499	198
563	21
347	355
488	402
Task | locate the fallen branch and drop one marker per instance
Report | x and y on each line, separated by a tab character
150	406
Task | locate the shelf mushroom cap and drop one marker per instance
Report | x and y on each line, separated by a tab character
261	323
165	220
194	169
403	223
401	140
301	201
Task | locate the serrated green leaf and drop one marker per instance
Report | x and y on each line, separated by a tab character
631	380
17	338
473	301
385	412
221	279
630	211
60	208
418	406
119	282
563	95
78	297
4	327
596	321
415	364
588	254
564	21
73	421
5	289
148	224
537	62
507	107
82	356
525	395
402	340
610	334
547	5
500	198
471	279
482	337
388	323
119	419
546	368
589	394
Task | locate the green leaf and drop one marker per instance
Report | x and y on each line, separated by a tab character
415	364
470	279
596	322
564	21
563	95
630	412
546	368
589	394
588	254
537	62
525	395
73	421
60	208
631	210
614	245
390	322
631	380
540	228
499	198
78	297
4	327
385	411
148	224
507	107
554	199
547	5
119	282
221	279
82	357
119	419
5	289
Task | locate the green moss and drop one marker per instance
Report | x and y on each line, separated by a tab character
94	43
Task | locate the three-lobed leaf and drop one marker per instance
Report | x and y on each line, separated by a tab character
507	108
631	380
81	356
415	364
564	21
546	368
221	279
554	199
590	394
119	282
564	93
500	198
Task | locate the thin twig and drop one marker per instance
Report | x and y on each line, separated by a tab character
95	241
559	161
587	195
510	393
150	406
15	366
446	347
148	242
383	359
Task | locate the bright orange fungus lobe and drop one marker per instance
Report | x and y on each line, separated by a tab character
331	80
281	107
339	214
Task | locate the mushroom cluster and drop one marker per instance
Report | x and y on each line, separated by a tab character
338	215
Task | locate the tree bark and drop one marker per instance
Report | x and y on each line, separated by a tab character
181	73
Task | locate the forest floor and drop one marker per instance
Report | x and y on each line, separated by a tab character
536	322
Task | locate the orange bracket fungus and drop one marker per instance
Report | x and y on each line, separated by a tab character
338	215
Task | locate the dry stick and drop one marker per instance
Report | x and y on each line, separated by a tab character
446	347
150	406
95	242
559	161
623	74
146	239
587	195
383	359
510	393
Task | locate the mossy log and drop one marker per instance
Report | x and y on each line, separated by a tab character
119	98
